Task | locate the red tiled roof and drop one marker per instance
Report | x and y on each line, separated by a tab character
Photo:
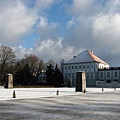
95	58
85	56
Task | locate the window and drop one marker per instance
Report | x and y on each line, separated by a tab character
65	67
108	81
101	74
65	75
68	67
115	80
91	66
115	73
80	67
76	67
87	75
69	74
108	74
72	75
72	67
96	66
91	74
83	66
87	66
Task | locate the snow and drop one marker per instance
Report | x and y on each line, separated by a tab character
22	93
6	94
44	104
82	57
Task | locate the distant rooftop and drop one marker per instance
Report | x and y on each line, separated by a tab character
110	68
85	56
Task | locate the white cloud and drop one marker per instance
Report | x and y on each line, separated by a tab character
20	51
71	22
47	30
79	7
53	49
41	5
47	49
43	22
15	21
106	34
96	27
107	27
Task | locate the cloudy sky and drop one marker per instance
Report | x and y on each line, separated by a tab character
60	29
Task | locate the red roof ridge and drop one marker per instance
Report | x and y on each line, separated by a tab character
95	58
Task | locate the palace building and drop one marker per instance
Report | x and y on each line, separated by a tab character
98	72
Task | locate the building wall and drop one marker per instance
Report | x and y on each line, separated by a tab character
108	77
90	68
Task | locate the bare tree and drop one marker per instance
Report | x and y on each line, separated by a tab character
36	64
50	62
30	67
7	58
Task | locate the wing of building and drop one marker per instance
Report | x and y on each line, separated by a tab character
85	61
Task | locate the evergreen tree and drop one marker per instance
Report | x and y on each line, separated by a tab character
58	77
50	75
24	76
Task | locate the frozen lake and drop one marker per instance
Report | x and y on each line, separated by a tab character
44	104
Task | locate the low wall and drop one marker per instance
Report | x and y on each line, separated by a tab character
108	85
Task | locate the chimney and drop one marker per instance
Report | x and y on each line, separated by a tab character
92	52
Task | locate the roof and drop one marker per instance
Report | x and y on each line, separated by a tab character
85	56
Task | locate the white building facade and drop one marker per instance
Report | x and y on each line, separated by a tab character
109	77
86	61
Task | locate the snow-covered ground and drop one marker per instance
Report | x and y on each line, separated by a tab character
44	104
22	93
